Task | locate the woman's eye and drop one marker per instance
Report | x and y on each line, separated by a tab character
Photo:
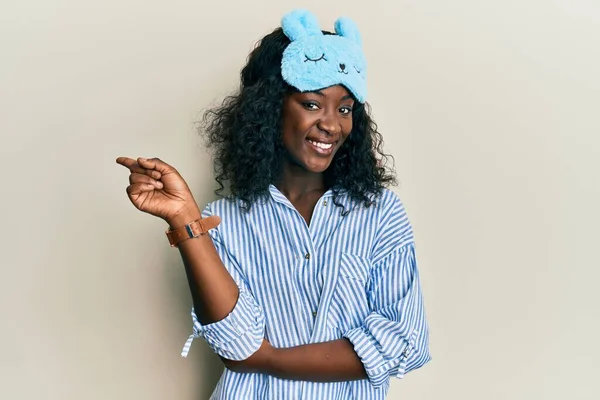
345	110
311	106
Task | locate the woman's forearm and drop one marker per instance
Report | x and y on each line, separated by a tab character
214	292
319	362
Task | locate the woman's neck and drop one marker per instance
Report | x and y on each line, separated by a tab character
296	182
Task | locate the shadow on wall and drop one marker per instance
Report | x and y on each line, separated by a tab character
206	362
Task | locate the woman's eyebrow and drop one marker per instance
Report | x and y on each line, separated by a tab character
318	92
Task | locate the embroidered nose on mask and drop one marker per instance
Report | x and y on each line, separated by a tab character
342	66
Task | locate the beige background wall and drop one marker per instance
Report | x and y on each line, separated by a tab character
490	108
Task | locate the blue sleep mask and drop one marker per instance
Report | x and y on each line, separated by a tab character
314	61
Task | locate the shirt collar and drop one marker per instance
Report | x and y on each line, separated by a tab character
280	197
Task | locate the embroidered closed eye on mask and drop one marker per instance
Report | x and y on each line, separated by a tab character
314	61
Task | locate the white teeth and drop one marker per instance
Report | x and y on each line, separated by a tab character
322	145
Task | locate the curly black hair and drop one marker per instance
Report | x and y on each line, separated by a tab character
244	134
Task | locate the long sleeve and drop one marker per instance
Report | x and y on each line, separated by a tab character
394	338
240	334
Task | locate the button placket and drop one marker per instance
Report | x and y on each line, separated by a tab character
305	247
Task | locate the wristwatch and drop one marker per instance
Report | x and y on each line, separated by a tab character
192	230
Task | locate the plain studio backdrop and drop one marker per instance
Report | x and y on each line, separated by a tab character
490	108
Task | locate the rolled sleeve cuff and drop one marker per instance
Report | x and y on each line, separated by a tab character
235	337
378	367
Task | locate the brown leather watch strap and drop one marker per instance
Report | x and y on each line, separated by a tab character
192	230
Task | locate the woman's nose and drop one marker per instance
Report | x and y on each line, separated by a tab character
329	123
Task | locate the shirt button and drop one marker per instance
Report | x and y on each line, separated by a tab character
315	314
324	203
307	256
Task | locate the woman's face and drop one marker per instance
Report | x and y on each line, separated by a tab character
315	124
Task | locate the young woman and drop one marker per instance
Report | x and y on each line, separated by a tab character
304	278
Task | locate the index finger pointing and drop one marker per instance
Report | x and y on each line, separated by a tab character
126	161
135	167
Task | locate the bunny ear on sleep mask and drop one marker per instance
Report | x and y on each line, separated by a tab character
314	61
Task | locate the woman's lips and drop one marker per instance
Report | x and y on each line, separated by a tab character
324	149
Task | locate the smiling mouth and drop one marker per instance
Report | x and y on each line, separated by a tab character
324	146
320	147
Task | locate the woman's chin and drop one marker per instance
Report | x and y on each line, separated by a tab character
310	163
317	166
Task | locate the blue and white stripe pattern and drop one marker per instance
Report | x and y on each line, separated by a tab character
352	276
